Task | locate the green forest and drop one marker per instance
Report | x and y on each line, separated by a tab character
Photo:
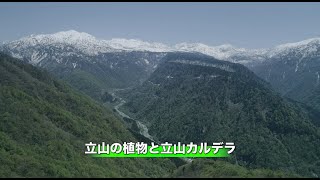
44	126
45	123
205	104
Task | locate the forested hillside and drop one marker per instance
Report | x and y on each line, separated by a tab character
196	98
44	126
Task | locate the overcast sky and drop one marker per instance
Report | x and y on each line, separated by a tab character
249	25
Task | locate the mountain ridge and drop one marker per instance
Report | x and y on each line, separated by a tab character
288	67
90	45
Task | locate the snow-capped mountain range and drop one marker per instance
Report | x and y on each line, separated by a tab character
89	45
293	69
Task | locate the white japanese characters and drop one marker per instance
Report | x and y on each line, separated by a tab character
164	148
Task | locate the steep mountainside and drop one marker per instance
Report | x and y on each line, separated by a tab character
44	126
294	72
194	97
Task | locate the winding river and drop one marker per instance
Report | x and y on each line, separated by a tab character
143	130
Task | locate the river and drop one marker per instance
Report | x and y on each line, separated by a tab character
143	129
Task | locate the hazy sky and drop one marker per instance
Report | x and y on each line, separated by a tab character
250	25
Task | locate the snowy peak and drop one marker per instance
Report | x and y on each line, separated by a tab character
67	37
306	42
303	48
86	43
89	45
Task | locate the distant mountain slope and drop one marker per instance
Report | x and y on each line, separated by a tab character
93	65
92	74
88	64
44	126
193	97
295	72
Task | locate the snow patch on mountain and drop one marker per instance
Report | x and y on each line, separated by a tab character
220	52
136	45
37	57
200	63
